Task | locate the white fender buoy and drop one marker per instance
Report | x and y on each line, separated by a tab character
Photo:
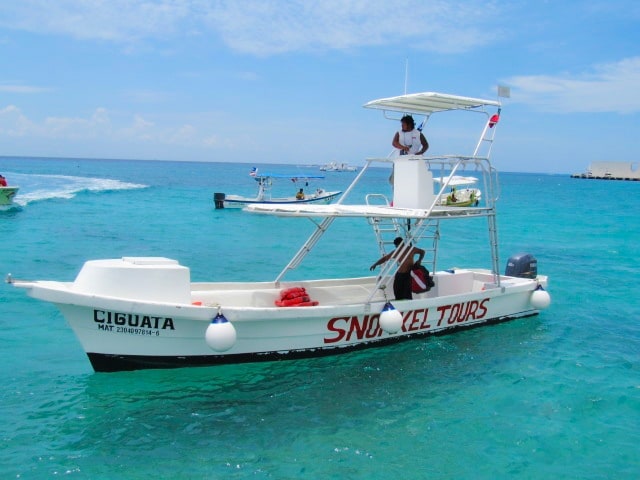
390	318
540	298
220	334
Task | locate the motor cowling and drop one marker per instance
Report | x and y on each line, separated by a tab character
218	199
522	265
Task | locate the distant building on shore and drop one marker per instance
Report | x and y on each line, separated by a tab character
611	171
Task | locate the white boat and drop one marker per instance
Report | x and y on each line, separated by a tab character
6	196
264	194
144	312
461	193
338	167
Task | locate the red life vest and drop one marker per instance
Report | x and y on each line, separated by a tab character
295	297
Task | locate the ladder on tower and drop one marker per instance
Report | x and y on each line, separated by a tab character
424	233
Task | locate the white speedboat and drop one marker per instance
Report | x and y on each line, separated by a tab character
144	312
6	196
338	167
264	194
462	193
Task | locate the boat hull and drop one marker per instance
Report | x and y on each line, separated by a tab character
138	331
7	194
237	201
468	197
106	362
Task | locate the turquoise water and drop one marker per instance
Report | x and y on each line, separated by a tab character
552	396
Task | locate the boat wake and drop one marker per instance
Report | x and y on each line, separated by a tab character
35	187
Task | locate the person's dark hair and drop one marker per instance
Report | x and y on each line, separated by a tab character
408	119
397	241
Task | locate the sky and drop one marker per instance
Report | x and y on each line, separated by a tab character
284	81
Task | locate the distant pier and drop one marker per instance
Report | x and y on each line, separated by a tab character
629	171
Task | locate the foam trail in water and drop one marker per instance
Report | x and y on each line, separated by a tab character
35	188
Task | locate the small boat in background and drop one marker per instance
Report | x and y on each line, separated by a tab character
265	183
6	193
338	167
461	193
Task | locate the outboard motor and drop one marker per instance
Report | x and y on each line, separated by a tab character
218	200
523	265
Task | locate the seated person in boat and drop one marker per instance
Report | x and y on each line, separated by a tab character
409	140
453	195
3	181
300	195
404	255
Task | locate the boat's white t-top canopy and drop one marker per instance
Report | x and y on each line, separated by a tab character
427	103
363	211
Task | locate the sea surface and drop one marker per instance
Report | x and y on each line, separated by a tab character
551	396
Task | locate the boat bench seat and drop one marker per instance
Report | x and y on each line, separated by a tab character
266	298
430	294
454	283
244	298
340	295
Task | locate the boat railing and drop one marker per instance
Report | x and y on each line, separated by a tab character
264	188
446	166
489	178
428	219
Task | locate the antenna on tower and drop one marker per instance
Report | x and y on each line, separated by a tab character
406	74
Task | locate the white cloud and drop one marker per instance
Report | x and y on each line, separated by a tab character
13	123
610	87
262	27
146	96
185	135
140	129
100	126
211	141
265	28
115	20
23	89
